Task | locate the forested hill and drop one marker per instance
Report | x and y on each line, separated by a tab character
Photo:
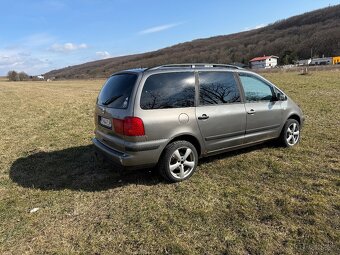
296	37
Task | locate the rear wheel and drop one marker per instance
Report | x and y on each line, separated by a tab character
179	161
290	135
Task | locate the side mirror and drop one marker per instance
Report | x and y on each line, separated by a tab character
281	97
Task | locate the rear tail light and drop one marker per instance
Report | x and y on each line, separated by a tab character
129	126
118	126
133	126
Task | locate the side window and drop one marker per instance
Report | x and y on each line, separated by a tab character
255	89
218	88
168	90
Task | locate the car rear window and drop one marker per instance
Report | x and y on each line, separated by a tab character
116	91
168	90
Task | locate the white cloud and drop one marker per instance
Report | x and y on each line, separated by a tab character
33	54
255	27
103	54
67	47
27	54
21	61
157	29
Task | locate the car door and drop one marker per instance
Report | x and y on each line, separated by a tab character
220	112
264	113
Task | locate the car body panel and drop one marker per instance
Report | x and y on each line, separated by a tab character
264	120
225	126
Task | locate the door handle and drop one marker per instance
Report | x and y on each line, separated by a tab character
203	117
251	111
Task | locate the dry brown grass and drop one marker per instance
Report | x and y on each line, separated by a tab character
262	200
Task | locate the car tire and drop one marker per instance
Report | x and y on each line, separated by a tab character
178	161
290	135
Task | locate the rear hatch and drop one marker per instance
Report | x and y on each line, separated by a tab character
113	105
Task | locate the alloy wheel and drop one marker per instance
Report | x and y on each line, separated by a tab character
293	134
182	162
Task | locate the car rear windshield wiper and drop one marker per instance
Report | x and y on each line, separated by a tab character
111	100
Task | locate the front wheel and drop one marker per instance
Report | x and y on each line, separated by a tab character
290	135
179	161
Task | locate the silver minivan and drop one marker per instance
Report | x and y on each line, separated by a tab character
170	116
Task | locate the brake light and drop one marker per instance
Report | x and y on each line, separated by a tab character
129	126
133	126
118	124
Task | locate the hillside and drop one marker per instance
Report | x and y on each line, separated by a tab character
296	37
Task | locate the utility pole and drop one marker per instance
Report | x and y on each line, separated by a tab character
311	53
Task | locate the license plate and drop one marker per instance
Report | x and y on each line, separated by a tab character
105	122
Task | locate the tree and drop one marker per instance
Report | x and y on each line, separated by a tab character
288	57
13	76
23	76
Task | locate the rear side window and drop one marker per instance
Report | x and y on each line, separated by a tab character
116	91
218	88
168	90
255	89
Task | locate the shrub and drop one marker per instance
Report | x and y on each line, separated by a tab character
13	76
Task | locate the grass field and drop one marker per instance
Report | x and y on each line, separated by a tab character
261	200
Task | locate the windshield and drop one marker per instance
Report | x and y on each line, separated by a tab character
117	90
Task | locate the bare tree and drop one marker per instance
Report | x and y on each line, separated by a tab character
217	93
23	76
13	76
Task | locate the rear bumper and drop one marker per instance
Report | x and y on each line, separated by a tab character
115	156
136	156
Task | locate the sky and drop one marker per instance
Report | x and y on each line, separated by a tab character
41	35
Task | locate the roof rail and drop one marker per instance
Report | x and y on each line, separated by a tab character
196	65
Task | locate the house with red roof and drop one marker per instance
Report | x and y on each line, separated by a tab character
263	62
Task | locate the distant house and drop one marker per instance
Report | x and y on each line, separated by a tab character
322	61
336	60
263	62
318	61
303	62
40	77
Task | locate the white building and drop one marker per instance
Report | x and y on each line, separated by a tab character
322	61
40	77
303	62
263	62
